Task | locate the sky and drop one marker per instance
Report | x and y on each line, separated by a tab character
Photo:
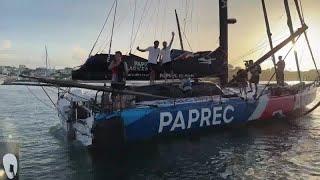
69	28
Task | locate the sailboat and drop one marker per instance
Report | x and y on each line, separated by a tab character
151	111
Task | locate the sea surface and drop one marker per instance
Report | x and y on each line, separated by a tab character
277	149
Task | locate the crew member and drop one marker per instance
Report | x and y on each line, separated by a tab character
165	58
241	79
154	52
280	71
255	71
119	69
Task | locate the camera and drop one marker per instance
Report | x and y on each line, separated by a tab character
246	63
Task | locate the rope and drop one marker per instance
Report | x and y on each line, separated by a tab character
157	18
141	19
301	11
266	85
292	47
185	36
151	19
114	18
134	17
49	97
62	115
312	109
187	4
259	46
38	98
275	72
105	22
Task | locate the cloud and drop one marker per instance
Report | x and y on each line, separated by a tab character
79	53
6	44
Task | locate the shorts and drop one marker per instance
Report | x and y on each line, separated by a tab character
255	79
118	85
167	67
152	67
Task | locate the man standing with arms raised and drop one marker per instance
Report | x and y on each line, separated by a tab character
165	58
154	53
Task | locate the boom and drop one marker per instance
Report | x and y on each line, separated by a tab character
277	48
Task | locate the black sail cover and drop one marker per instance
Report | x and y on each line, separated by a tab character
184	63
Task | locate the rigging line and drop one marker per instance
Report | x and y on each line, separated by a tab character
105	22
275	71
186	16
292	47
117	25
141	19
157	18
164	19
191	18
114	19
262	45
40	100
55	106
301	11
133	21
151	18
104	46
75	95
185	36
49	97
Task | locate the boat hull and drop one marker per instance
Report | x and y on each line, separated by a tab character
194	114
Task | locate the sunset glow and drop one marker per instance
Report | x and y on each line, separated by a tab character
69	29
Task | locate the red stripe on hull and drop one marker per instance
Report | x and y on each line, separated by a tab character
283	104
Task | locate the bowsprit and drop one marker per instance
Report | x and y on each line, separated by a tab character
192	118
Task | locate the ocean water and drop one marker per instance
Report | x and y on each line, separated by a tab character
277	149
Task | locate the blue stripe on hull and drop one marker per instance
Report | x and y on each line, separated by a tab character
149	122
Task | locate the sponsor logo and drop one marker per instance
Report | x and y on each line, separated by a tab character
139	66
196	117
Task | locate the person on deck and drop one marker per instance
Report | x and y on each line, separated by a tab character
165	58
119	69
242	79
280	71
255	71
154	53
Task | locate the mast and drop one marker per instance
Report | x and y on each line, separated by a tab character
289	22
224	22
179	30
268	32
306	36
46	72
223	14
